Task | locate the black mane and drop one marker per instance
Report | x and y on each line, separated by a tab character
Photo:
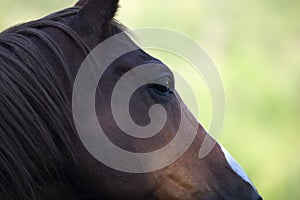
35	115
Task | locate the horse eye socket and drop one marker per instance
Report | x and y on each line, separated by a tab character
163	88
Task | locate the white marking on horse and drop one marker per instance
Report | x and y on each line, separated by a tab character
236	167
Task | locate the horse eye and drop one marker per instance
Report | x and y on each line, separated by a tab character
163	88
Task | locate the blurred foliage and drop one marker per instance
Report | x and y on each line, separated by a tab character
255	45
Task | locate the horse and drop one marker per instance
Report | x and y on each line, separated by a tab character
41	154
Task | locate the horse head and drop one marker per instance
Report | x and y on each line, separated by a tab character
69	37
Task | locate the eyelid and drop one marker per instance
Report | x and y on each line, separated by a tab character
165	79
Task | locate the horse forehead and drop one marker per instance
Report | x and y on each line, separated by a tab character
236	167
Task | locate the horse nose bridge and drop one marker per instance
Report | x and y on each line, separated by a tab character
255	196
236	168
218	168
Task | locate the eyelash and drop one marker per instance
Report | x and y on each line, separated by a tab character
164	88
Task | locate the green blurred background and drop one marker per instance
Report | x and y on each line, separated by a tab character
256	47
